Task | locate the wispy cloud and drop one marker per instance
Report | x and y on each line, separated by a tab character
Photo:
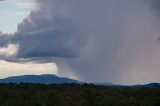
24	4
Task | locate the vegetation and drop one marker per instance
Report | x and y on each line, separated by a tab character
27	94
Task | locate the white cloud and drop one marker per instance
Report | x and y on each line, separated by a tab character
9	51
22	3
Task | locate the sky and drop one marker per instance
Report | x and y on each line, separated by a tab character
13	12
107	41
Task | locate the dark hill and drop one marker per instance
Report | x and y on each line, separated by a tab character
44	79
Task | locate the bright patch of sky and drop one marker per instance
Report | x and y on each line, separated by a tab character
13	12
16	69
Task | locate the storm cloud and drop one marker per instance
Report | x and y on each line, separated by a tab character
95	41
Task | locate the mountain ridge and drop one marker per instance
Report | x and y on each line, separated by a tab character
44	79
53	79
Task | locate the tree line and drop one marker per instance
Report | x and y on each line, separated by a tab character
28	94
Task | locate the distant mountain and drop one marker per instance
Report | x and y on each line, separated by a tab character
53	79
150	85
44	79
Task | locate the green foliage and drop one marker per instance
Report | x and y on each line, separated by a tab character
26	94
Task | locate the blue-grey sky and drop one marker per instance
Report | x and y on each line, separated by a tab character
12	12
113	41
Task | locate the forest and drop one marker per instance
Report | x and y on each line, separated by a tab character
28	94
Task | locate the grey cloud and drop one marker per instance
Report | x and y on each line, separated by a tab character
50	36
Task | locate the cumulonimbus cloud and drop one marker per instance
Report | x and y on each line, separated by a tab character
106	40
